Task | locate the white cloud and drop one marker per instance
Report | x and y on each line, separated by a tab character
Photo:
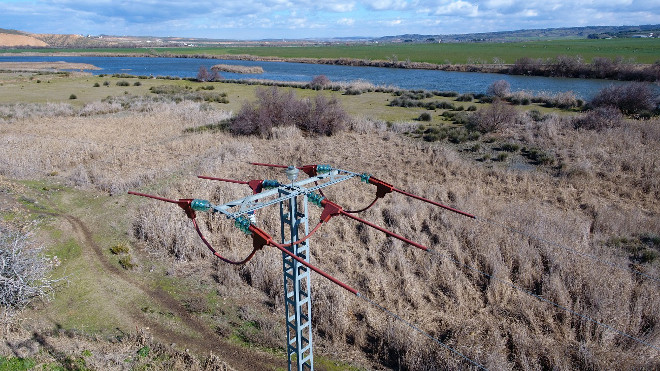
346	22
275	18
336	6
457	8
386	4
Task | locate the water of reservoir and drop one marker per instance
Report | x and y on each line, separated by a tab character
462	82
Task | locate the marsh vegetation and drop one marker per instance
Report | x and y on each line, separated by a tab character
586	179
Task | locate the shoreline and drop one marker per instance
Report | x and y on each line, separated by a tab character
631	73
46	66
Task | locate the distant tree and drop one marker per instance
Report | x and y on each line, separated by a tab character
319	82
527	66
499	88
567	65
215	76
631	98
203	74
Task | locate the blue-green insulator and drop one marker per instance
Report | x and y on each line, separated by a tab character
365	177
269	183
200	205
323	169
315	199
243	224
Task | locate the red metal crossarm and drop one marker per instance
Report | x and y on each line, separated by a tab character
315	269
183	203
435	203
331	209
307	169
255	184
268	165
383	188
264	239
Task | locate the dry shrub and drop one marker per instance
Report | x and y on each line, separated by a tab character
631	98
12	112
358	85
25	273
363	125
326	116
497	116
599	118
204	75
320	82
275	107
564	100
499	88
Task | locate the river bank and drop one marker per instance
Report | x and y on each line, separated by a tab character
562	66
45	66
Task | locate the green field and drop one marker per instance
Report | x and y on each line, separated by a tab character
633	50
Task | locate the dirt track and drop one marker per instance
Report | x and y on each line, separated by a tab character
205	341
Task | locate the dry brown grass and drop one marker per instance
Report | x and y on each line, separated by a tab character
607	186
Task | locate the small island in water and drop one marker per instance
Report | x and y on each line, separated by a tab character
237	68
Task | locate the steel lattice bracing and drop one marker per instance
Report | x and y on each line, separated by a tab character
297	285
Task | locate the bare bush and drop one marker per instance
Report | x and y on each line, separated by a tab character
499	88
527	66
495	117
203	75
566	65
12	112
564	100
631	98
320	82
598	119
24	272
275	107
326	116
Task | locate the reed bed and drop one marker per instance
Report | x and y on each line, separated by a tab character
606	187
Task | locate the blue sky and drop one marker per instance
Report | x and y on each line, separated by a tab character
251	19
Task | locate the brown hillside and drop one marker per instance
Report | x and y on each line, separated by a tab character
20	40
62	40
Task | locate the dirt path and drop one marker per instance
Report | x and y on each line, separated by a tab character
204	341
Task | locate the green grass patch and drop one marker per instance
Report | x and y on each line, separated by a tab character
16	364
66	250
639	50
644	248
119	249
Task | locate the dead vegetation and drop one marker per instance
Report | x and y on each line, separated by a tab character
25	273
237	68
604	185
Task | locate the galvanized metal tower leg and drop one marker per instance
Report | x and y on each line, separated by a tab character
297	285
